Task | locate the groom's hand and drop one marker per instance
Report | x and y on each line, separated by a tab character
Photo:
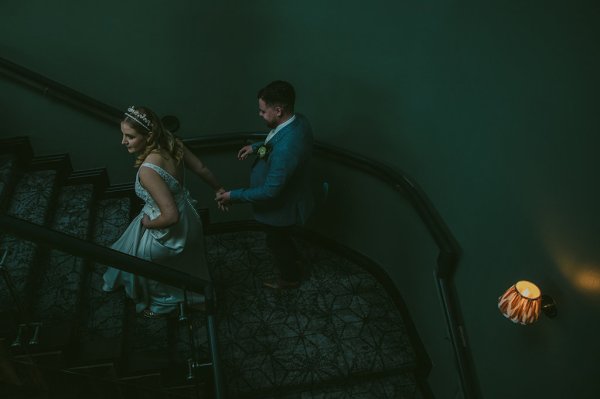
244	152
222	199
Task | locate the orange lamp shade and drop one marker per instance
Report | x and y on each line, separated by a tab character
521	303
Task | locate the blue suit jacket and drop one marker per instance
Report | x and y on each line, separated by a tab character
280	182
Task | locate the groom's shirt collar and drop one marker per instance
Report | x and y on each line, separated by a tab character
273	132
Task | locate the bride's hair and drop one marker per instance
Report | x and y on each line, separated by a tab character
145	121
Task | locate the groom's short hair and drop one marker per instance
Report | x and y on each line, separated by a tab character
279	93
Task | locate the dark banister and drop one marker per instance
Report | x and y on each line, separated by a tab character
400	181
79	247
57	91
449	250
447	258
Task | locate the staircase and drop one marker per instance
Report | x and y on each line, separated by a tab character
341	335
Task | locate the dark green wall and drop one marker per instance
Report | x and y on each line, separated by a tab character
490	106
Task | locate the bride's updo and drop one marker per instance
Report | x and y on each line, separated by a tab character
145	121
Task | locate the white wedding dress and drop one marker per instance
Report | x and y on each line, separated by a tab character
180	247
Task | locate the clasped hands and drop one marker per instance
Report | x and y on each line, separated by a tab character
222	198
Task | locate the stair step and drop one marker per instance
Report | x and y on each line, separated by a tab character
148	386
58	162
32	196
51	337
172	382
98	178
30	201
60	283
7	173
147	344
98	381
59	279
89	173
20	147
398	386
102	321
50	382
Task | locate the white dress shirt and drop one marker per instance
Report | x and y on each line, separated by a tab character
273	132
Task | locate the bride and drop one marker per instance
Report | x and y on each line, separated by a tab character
168	230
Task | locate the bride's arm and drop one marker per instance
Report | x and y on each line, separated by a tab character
196	166
158	189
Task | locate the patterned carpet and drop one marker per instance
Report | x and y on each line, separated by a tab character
339	324
30	201
338	336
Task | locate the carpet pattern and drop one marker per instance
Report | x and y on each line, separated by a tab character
340	323
103	313
30	201
338	336
60	279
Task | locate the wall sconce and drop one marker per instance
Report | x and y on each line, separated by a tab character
523	302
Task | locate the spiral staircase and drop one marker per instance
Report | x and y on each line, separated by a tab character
342	334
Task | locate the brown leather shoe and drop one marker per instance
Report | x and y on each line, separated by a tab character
282	284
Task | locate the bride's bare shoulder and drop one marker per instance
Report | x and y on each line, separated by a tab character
157	158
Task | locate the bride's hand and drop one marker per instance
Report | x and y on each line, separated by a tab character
145	221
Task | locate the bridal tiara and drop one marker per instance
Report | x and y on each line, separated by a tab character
139	117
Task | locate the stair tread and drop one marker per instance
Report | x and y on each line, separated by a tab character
60	282
400	386
103	313
31	198
30	201
7	169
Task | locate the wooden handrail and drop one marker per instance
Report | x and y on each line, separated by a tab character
99	253
49	88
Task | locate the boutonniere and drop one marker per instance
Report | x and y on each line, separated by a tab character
263	151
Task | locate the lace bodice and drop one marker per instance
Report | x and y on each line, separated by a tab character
180	194
174	186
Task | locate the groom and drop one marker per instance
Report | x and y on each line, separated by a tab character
280	179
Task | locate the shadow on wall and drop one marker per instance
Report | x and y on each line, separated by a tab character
363	119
